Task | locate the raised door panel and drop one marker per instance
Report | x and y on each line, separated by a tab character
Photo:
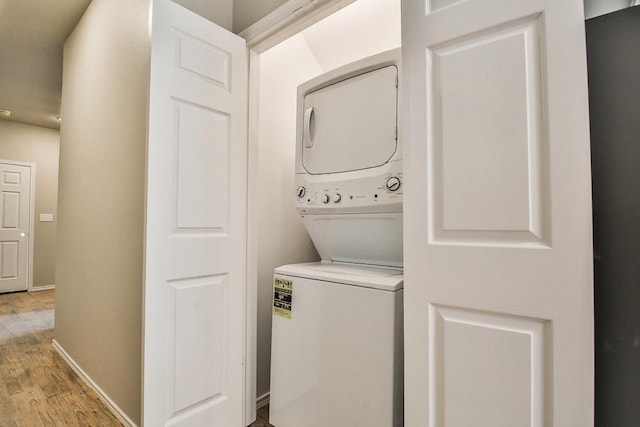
10	259
202	152
506	381
200	333
488	137
10	210
203	59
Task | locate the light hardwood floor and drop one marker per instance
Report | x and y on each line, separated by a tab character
38	388
262	418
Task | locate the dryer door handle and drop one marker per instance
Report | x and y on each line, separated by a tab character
308	116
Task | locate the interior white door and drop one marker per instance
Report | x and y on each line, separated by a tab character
195	254
15	220
498	250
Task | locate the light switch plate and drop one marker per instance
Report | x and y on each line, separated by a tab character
46	217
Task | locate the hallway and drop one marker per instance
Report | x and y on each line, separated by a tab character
38	388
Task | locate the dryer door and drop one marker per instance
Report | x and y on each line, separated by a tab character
351	124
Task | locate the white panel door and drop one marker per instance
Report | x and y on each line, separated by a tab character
498	251
15	220
195	256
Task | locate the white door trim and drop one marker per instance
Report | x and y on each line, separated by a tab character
288	20
251	306
32	218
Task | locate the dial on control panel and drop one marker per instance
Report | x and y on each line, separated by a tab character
336	198
325	198
300	192
393	183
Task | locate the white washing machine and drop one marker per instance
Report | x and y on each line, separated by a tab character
336	353
336	358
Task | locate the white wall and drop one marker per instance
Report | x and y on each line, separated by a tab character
361	29
282	238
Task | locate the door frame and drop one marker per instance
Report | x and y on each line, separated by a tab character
32	218
286	21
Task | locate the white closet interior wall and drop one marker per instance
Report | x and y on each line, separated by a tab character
362	29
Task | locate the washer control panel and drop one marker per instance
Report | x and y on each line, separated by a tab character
380	193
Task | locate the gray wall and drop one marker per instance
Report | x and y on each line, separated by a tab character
248	12
101	191
613	56
218	11
594	8
37	145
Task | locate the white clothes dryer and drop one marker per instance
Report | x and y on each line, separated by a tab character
336	349
349	182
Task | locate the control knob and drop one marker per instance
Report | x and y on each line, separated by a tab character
325	198
336	198
393	183
300	192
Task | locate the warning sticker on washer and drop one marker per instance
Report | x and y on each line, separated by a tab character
282	293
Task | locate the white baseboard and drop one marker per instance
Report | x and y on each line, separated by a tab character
115	409
262	400
42	288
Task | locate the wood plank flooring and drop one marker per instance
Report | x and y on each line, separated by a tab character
262	418
38	388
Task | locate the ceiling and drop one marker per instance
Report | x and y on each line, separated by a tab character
32	34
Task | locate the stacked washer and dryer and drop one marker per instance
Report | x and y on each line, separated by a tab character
336	354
